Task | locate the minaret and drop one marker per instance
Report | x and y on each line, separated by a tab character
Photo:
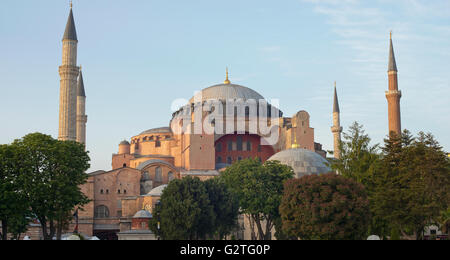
336	129
68	72
81	110
393	95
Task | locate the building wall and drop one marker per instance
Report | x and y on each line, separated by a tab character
257	150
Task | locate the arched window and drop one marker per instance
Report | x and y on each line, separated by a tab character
249	146
124	165
171	176
219	147
239	143
230	145
157	143
229	160
219	159
158	174
101	212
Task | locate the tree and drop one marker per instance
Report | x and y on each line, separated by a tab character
328	207
359	161
259	189
185	211
358	158
14	208
52	172
413	183
225	207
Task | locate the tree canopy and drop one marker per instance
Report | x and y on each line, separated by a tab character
259	189
191	209
325	207
51	172
412	183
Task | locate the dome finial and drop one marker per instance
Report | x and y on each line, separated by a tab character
390	35
227	81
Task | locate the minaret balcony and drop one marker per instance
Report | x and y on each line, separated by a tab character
336	129
395	93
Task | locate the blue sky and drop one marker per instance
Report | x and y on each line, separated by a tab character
139	56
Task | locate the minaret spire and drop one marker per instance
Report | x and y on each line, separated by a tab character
336	129
392	63
81	110
70	33
393	95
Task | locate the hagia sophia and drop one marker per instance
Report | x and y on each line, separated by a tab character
124	197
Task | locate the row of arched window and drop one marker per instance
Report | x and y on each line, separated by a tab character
239	145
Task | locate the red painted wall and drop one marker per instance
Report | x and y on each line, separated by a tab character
265	153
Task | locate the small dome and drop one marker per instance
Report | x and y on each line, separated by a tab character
157	192
143	214
124	142
226	92
303	162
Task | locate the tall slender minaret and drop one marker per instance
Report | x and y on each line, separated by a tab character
336	129
68	72
81	111
393	95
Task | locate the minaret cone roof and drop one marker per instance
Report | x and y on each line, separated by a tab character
336	102
80	86
70	33
392	63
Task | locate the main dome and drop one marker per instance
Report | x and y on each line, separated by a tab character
225	92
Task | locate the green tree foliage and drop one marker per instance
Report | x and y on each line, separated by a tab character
51	173
358	158
325	207
191	209
14	208
444	220
413	183
226	207
259	189
360	161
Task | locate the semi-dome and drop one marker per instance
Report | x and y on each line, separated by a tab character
227	91
157	192
303	162
143	214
